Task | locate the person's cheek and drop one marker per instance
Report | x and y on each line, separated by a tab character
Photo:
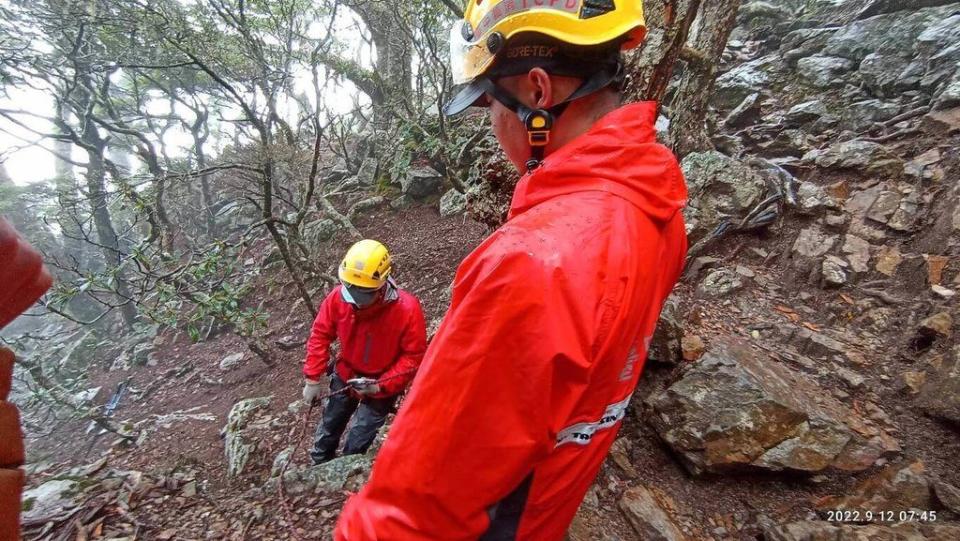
510	134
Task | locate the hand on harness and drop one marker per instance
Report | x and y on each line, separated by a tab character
364	386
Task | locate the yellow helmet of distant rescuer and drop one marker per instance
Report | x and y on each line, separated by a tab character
577	38
366	265
488	24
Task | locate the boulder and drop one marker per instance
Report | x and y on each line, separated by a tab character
806	112
453	203
948	495
800	44
940	396
49	500
900	51
834	271
237	447
813	242
736	410
317	232
402	202
855	154
365	205
348	472
748	78
812	198
823	71
861	115
857	251
665	345
720	283
648	518
421	182
720	187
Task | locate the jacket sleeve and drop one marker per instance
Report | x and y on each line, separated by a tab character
323	333
478	417
413	344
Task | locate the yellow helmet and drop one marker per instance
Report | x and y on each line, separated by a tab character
488	24
581	38
367	265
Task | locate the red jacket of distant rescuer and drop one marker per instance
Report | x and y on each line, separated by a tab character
380	342
525	384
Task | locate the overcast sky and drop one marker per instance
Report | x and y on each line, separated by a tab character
27	157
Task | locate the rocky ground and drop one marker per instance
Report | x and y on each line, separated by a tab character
805	380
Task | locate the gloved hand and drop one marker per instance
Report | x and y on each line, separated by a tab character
311	390
364	386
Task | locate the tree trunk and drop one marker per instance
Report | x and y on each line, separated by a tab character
106	234
651	67
688	126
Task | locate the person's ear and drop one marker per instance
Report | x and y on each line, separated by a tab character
541	88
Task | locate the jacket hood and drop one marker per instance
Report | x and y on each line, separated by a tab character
620	155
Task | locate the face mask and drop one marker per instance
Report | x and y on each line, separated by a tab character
358	296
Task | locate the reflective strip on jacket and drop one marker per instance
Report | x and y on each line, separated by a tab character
380	342
526	383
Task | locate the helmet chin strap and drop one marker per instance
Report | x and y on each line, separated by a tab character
539	122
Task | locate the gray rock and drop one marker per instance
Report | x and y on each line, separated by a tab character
720	187
762	13
281	460
889	75
855	154
402	202
948	495
236	448
748	78
453	203
735	411
232	361
804	42
834	271
365	205
49	500
811	343
813	242
648	518
367	173
290	341
857	251
806	112
343	473
823	71
720	283
317	232
949	96
940	397
420	183
900	51
833	531
861	115
665	345
812	198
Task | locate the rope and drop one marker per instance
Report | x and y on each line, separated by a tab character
301	435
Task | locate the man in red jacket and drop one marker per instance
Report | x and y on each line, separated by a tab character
382	339
23	279
528	379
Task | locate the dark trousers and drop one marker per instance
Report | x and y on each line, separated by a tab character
371	414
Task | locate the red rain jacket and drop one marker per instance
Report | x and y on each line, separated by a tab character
382	341
525	384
